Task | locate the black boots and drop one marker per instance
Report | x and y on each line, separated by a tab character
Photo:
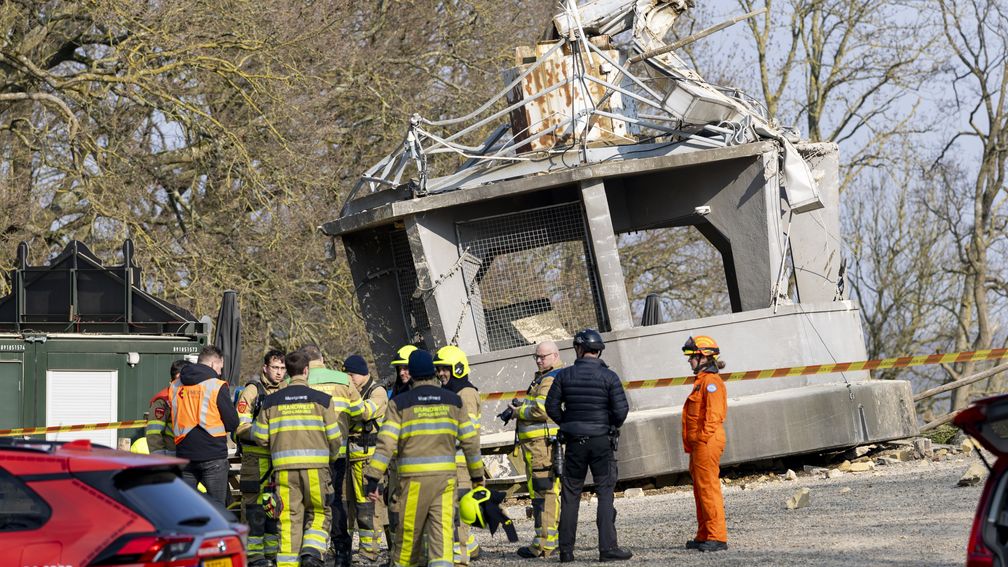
566	556
693	544
712	545
614	554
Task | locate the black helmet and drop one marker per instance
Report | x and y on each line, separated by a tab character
589	339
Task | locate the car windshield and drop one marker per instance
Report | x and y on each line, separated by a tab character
168	502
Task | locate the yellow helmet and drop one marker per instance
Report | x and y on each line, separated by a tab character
403	354
140	446
470	510
454	357
701	344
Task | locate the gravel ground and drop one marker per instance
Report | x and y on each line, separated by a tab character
906	514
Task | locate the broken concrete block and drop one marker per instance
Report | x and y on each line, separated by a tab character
845	490
844	466
862	466
905	454
884	461
815	470
834	473
940	454
968	446
975	473
633	493
923	448
790	475
799	499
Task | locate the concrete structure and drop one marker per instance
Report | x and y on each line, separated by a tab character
522	241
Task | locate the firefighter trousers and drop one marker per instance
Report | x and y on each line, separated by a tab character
304	518
545	492
464	545
391	499
704	467
366	516
264	534
427	504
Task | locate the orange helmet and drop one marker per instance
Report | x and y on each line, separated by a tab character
701	345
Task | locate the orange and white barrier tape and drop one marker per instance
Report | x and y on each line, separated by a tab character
896	362
134	424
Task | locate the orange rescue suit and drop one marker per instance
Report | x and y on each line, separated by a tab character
704	439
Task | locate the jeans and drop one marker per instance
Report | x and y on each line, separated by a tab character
582	454
212	474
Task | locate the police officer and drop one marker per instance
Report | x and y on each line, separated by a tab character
588	402
256	472
535	432
704	439
424	426
365	515
202	416
299	426
160	439
453	371
349	409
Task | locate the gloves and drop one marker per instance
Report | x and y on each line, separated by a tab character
371	486
517	402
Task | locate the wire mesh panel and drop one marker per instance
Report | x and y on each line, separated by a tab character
534	280
414	312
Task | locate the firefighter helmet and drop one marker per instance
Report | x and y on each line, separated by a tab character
403	355
701	344
454	358
471	509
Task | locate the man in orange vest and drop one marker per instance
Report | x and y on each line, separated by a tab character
202	416
704	439
160	439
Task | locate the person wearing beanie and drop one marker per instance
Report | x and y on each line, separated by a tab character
367	516
423	426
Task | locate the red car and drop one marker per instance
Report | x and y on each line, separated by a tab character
74	504
987	422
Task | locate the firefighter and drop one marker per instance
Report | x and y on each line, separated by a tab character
300	427
704	439
424	426
160	439
535	434
367	516
256	472
400	384
453	370
349	409
202	415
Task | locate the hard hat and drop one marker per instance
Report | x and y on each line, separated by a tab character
403	355
589	339
455	358
140	446
272	505
470	507
701	344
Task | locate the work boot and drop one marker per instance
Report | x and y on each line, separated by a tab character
529	552
566	556
311	561
713	545
614	554
693	544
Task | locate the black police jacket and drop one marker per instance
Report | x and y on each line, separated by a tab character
586	399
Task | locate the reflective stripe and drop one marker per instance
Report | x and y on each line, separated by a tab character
432	427
409	538
300	457
260	431
415	465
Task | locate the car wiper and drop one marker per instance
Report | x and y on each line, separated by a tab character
195	521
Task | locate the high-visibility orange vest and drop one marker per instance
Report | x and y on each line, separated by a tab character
196	406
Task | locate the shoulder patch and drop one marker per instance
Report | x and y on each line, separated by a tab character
712	387
158	413
242	406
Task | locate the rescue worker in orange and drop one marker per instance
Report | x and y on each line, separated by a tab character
704	439
202	416
160	439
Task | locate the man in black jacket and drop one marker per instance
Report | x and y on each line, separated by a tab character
202	416
587	401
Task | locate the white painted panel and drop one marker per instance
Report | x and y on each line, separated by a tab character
75	397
